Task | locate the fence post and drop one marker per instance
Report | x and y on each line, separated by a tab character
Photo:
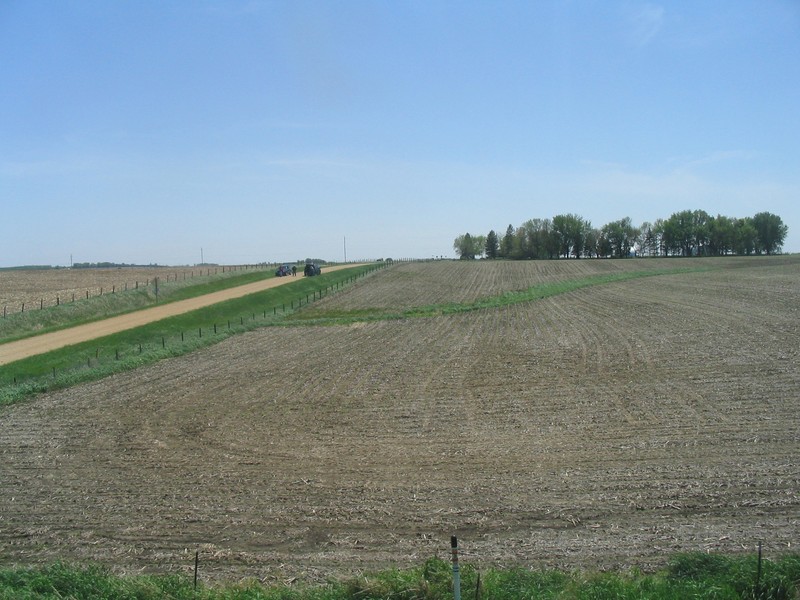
758	573
196	565
456	574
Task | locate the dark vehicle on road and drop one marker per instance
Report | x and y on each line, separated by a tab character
283	271
311	270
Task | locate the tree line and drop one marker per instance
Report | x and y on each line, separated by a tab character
685	233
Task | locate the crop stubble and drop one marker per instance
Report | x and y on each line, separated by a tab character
605	427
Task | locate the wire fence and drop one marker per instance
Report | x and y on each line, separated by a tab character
66	296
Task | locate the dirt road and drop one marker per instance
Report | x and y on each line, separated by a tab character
47	342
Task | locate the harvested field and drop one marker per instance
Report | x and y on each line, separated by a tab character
606	427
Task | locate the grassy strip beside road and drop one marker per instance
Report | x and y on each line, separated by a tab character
696	575
126	350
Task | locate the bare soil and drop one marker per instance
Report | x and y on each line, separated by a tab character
608	427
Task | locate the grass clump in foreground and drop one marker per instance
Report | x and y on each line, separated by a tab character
696	576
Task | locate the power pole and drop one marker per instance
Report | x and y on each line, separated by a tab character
345	249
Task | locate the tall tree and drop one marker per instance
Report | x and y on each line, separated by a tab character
722	235
621	237
569	234
745	236
679	234
771	232
507	243
701	230
468	247
492	249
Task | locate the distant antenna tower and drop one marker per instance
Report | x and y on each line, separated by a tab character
345	249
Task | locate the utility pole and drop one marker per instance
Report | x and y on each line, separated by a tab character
345	249
202	262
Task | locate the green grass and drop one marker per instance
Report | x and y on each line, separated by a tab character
696	576
127	350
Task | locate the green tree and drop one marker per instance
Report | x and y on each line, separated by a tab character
591	242
745	236
701	230
492	248
569	235
536	239
722	235
771	232
507	243
679	234
620	238
469	246
650	239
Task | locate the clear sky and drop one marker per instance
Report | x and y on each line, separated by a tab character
144	131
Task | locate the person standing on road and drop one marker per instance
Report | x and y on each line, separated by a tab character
294	270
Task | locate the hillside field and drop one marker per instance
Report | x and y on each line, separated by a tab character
606	427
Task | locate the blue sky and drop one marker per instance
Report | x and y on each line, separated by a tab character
141	132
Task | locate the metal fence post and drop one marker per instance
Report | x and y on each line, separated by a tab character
456	574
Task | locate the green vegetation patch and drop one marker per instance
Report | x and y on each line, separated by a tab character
696	575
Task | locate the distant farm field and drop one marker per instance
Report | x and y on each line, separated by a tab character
609	426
